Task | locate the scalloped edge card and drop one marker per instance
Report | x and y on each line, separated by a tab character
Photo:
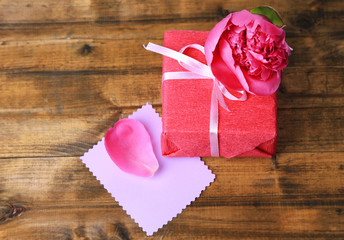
152	201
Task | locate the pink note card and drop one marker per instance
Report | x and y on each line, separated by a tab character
154	201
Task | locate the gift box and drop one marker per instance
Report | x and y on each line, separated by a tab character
249	129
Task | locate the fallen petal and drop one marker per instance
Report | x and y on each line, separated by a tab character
130	148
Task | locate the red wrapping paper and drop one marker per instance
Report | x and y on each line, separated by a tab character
248	130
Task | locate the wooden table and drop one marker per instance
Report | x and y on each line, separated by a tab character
69	69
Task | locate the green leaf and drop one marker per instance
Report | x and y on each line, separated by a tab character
270	13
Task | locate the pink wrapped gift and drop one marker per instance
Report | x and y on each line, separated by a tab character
248	130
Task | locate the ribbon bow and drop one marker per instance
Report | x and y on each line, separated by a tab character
198	70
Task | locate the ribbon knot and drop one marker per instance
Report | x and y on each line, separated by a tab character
198	70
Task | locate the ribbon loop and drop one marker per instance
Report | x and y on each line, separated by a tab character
198	70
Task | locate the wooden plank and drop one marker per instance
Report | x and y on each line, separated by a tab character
194	223
289	179
315	87
74	55
48	11
27	11
78	223
77	93
292	179
53	135
300	130
86	54
310	130
98	92
329	27
54	182
298	195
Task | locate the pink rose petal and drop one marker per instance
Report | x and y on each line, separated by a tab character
261	87
229	79
244	17
130	148
213	38
226	54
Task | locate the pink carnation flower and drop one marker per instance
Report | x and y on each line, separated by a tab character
247	52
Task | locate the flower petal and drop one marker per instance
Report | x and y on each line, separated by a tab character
227	56
264	88
244	17
213	38
130	148
224	74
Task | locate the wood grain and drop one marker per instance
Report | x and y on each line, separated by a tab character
84	92
91	54
28	11
70	135
251	198
69	69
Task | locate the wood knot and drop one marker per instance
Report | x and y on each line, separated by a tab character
222	12
122	231
86	49
339	211
305	22
8	211
308	19
282	89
